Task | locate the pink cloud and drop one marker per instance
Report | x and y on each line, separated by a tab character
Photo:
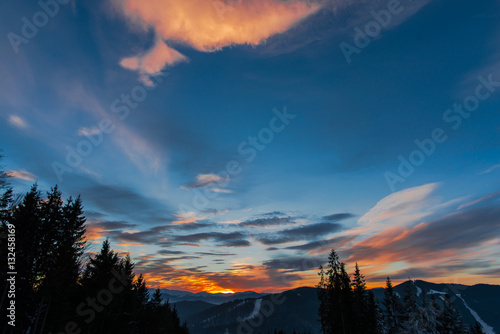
21	174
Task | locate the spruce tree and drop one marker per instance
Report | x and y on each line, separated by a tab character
393	308
335	296
428	315
411	311
476	329
27	219
450	321
364	306
6	200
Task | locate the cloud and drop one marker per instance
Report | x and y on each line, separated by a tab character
203	180
479	200
152	62
221	191
491	169
399	209
83	131
206	26
193	226
338	217
98	229
21	174
293	264
215	254
322	246
299	233
235	243
216	236
431	242
18	122
215	211
272	221
274	213
120	200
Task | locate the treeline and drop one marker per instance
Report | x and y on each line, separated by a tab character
58	289
347	307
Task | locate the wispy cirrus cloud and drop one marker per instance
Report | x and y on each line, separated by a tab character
21	174
491	169
17	122
399	209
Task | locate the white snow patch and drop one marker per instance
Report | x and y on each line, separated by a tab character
487	329
255	311
419	291
432	292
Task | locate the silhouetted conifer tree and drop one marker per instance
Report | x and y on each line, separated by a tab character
393	308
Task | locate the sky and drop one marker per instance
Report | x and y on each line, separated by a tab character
229	145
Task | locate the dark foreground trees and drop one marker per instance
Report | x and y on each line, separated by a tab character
55	292
115	301
346	307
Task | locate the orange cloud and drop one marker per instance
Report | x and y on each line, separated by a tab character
153	61
95	233
207	25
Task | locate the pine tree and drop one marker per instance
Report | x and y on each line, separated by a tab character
411	314
335	295
27	219
61	281
98	273
393	309
429	314
156	300
6	195
450	321
6	200
476	329
49	243
364	306
50	285
359	299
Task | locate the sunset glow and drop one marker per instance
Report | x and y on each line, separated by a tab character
229	146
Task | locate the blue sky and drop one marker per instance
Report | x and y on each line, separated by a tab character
230	145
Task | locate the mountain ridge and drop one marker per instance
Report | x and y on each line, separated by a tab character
296	309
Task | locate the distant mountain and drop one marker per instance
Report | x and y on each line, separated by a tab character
293	309
189	308
297	309
174	296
